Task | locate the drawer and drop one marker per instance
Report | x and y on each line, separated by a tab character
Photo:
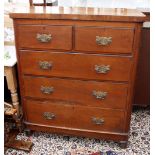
45	37
89	93
104	40
53	114
83	66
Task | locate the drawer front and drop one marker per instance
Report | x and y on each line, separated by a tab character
45	37
104	40
53	114
89	93
76	65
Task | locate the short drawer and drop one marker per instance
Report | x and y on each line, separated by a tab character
84	66
104	40
53	114
87	93
45	37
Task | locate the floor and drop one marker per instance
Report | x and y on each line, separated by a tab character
52	144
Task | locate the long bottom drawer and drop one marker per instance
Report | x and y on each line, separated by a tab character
80	117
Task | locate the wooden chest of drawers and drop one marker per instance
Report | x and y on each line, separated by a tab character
77	68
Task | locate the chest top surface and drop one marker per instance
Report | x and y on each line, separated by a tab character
78	13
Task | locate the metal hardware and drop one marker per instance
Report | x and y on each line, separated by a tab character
44	38
103	40
98	121
47	90
99	94
48	115
102	69
45	65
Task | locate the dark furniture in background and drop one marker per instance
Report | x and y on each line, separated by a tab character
142	85
44	3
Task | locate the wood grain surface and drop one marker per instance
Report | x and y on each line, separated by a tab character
76	65
77	92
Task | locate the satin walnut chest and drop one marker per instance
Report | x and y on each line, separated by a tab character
77	69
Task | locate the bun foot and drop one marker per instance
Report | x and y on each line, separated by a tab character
28	132
123	144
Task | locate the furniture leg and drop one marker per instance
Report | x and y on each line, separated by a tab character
123	144
28	132
12	86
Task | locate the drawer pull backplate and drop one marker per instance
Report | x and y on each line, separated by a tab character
48	115
99	94
103	40
44	38
102	69
45	65
98	121
47	90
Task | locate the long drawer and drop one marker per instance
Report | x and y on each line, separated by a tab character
86	66
53	114
45	37
104	39
87	93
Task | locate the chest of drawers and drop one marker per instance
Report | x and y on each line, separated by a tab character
77	68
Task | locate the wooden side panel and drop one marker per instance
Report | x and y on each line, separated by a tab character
131	87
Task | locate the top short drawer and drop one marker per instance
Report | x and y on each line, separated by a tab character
45	37
104	39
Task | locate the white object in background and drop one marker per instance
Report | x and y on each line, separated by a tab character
146	24
111	3
9	56
8	34
142	3
27	1
131	4
41	1
78	3
16	1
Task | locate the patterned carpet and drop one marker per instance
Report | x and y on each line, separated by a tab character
52	144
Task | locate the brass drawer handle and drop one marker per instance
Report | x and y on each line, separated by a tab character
44	38
47	90
45	65
103	40
99	94
102	69
98	121
48	115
